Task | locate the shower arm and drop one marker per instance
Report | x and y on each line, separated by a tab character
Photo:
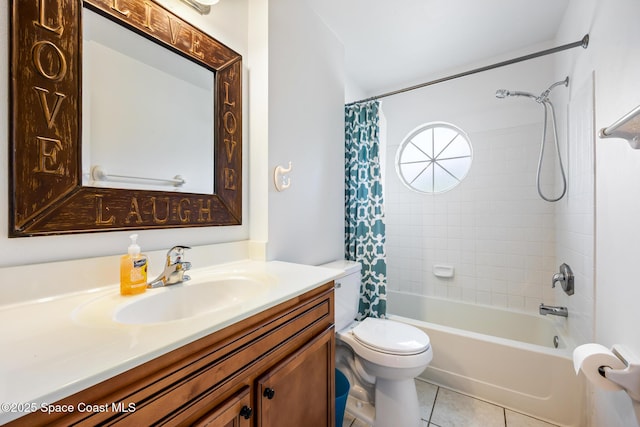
545	95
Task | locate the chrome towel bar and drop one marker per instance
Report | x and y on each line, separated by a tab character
627	127
99	174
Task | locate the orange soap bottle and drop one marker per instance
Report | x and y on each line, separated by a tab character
133	270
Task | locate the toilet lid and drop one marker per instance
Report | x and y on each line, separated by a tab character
391	337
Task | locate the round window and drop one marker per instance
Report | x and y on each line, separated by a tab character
434	158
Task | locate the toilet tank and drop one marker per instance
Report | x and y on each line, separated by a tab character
347	293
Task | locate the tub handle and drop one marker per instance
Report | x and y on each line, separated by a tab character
565	278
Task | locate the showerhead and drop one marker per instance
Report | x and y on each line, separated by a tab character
503	93
544	96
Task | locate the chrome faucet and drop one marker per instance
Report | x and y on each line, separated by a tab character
554	310
174	269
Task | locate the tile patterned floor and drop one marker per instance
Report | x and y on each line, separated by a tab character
440	407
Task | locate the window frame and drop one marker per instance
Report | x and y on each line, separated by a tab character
432	159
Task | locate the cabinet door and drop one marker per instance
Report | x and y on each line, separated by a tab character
300	391
234	412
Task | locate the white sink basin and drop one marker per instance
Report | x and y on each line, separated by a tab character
216	294
187	300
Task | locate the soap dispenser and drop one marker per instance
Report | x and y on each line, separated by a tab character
133	270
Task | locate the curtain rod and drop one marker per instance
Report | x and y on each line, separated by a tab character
584	43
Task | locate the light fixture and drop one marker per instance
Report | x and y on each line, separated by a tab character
202	6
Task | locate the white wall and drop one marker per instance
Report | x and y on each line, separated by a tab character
228	23
614	54
306	127
493	228
353	92
259	182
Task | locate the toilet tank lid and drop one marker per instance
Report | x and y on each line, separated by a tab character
345	265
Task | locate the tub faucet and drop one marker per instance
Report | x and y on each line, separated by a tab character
174	268
554	310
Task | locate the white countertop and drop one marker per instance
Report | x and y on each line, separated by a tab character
55	347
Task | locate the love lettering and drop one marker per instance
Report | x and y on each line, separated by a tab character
50	63
163	25
230	126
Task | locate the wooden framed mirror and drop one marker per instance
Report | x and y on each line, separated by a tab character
47	195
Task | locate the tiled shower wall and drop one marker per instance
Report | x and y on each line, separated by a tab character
575	219
493	228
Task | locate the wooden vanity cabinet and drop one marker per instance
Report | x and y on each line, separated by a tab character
294	392
274	369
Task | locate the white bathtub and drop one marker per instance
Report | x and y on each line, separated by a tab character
500	356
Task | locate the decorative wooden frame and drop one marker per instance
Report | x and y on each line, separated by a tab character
46	195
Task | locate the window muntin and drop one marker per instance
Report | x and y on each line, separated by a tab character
434	158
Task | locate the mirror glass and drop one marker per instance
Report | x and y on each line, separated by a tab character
161	138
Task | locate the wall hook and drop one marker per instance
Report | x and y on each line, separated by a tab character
280	177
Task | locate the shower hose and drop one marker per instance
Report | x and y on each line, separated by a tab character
546	104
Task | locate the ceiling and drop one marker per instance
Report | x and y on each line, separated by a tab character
395	43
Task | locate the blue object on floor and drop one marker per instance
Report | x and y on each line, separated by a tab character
342	391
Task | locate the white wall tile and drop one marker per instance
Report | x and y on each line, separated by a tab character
504	233
493	228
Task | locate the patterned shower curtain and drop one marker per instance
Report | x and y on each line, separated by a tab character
364	210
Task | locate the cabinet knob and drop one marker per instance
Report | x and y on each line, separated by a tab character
269	393
246	412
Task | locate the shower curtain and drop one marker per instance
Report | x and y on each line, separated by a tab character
364	210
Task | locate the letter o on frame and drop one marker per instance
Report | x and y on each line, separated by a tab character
37	51
230	123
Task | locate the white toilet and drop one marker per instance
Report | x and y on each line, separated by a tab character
379	357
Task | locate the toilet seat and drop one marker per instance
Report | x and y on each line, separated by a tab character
391	337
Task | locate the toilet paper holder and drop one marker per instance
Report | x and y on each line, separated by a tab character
627	378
